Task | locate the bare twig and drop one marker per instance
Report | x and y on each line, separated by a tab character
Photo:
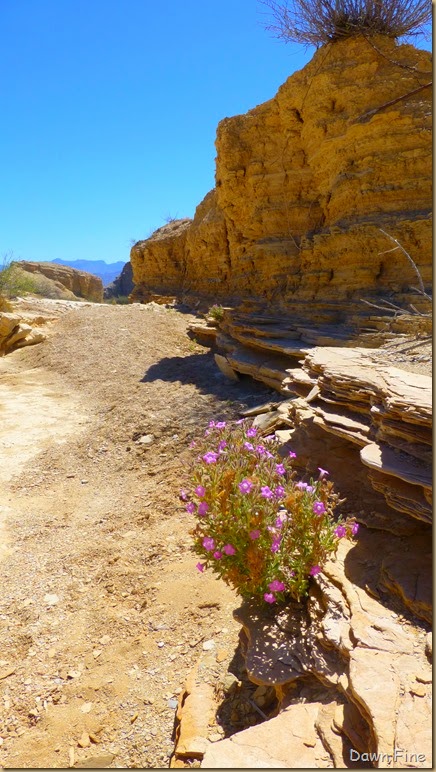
370	113
412	263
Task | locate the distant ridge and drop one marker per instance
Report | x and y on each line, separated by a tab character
106	272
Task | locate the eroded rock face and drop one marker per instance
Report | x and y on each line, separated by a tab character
304	183
122	284
361	667
81	284
16	333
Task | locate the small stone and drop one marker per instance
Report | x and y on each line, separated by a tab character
69	476
6	672
105	639
424	678
418	690
209	645
146	439
96	762
173	703
221	655
214	737
161	644
84	741
87	707
51	600
84	482
96	653
74	674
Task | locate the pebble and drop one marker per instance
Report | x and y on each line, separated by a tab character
209	645
84	740
51	599
173	703
215	737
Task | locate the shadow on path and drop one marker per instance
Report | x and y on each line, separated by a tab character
201	370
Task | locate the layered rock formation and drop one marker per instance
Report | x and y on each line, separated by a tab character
79	283
15	333
304	183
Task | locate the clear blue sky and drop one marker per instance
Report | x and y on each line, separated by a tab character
109	112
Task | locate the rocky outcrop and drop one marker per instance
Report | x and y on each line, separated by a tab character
79	283
16	333
304	183
122	285
351	678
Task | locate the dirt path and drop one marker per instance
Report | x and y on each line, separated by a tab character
102	612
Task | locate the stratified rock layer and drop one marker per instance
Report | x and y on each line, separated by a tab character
304	183
81	284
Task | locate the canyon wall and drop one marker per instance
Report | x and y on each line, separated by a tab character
304	182
80	283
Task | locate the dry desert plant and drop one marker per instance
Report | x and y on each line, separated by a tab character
317	22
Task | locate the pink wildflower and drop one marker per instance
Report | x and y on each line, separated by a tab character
318	508
310	488
354	528
261	450
280	469
266	492
220	425
208	543
254	535
279	492
201	567
275	545
292	454
200	490
276	586
340	531
183	494
222	445
190	507
211	457
322	472
229	550
301	485
217	555
202	508
248	446
245	486
251	432
269	597
315	570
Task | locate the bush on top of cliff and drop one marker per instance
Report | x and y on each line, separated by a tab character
318	21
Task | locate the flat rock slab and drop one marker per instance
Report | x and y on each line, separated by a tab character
287	741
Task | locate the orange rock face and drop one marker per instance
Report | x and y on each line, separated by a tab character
304	183
80	283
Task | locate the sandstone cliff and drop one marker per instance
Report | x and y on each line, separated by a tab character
304	182
122	285
81	284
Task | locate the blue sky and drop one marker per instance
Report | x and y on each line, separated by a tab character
109	114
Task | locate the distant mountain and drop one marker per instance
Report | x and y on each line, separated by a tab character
106	271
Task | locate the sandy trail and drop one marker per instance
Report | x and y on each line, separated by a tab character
102	612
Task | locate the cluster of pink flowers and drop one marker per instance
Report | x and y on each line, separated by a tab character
248	509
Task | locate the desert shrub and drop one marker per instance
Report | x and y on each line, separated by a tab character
216	312
13	280
259	528
315	22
